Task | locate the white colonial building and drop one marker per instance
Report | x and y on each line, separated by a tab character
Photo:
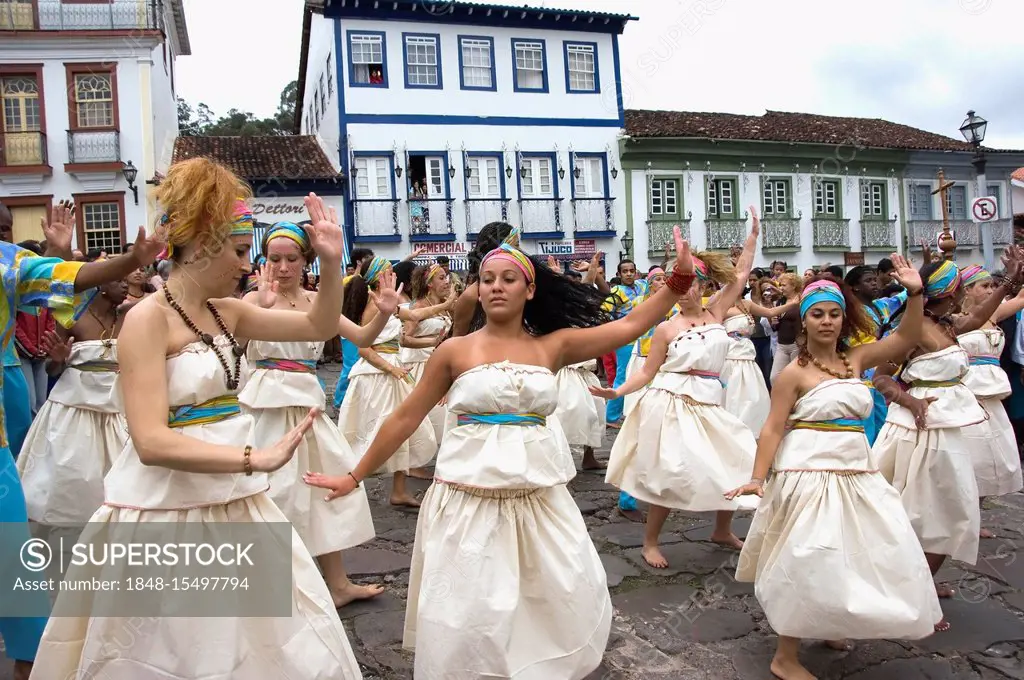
445	116
89	111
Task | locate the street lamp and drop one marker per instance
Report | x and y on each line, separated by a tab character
627	246
130	172
973	129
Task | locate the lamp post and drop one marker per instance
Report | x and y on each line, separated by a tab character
973	129
627	247
130	172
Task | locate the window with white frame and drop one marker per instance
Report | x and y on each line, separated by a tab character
993	190
101	223
323	95
529	66
330	77
477	63
826	198
366	54
956	202
373	178
422	67
664	198
484	178
581	60
591	180
920	202
720	198
776	198
872	200
535	178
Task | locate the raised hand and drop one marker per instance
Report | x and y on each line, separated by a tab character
324	233
684	261
553	264
387	298
340	485
147	248
270	459
266	287
52	347
60	227
905	274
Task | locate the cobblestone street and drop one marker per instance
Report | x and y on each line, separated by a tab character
693	621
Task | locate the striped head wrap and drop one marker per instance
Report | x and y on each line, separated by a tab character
700	269
657	271
288	230
378	266
244	224
513	237
516	257
434	270
943	282
973	274
820	291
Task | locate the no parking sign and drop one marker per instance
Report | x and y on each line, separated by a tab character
984	209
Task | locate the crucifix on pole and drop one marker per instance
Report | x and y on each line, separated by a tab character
947	243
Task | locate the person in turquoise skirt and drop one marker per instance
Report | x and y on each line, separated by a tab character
29	282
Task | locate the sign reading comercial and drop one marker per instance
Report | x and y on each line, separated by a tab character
455	251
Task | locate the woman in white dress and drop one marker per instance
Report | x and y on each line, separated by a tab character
642	347
192	459
580	413
921	449
282	388
992	444
80	430
505	580
379	383
831	551
678	448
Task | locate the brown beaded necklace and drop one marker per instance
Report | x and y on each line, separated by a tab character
825	369
207	339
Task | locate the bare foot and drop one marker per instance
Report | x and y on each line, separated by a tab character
591	463
615	425
419	473
632	515
790	670
730	541
942	626
944	591
985	533
404	499
653	557
354	591
839	645
22	669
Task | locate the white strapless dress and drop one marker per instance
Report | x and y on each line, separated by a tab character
746	395
831	551
310	644
415	359
580	413
75	438
281	389
505	580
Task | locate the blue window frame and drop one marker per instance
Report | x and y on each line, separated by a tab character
529	65
582	74
476	63
486	181
421	58
367	59
593	179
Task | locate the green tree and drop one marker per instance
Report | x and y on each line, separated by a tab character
202	121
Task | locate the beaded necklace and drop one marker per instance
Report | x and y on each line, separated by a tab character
207	339
825	369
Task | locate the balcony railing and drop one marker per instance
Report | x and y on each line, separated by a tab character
86	146
877	234
831	233
57	15
374	217
481	211
723	234
927	231
431	216
539	215
593	214
780	233
1002	232
659	235
20	149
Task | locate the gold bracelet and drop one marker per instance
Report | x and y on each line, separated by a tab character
246	460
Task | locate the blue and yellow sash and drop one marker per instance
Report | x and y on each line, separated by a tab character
984	360
287	365
97	366
502	419
834	425
210	411
389	347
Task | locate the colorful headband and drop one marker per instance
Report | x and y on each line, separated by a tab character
513	237
291	231
516	257
434	270
657	271
377	267
820	291
700	269
244	224
973	275
943	282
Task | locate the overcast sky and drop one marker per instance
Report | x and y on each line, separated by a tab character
919	62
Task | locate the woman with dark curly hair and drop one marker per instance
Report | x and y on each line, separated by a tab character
490	237
499	523
831	551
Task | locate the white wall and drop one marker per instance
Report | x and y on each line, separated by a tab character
451	100
321	46
1017	197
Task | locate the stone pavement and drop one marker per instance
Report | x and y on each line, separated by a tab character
693	621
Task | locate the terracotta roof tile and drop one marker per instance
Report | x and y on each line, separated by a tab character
779	126
1018	174
266	157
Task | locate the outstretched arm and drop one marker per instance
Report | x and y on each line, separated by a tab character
897	345
655	359
1010	284
731	292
